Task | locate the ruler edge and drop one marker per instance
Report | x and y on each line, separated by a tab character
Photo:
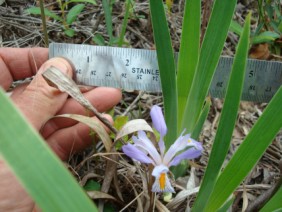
222	95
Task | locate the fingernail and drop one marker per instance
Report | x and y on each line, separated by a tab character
60	63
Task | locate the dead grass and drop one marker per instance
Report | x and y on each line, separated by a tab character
129	189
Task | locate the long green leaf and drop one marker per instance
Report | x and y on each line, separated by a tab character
213	43
108	18
249	152
188	54
274	203
124	22
227	205
202	118
227	120
167	67
40	171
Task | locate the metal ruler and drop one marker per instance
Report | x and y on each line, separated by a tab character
137	69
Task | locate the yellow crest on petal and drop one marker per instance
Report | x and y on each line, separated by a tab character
162	181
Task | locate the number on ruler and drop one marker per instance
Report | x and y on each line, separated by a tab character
127	62
251	73
268	89
78	71
93	73
252	87
219	84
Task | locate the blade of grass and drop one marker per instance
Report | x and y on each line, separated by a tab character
249	152
188	54
227	121
44	176
124	23
202	118
226	206
274	203
209	56
167	67
43	18
108	18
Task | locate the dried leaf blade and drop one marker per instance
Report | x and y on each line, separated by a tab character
95	125
134	126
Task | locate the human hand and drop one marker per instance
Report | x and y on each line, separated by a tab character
39	102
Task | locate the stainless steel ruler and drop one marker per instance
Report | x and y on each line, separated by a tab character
137	69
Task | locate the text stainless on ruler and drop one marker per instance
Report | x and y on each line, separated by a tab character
137	69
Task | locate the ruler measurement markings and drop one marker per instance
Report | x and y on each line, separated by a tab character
262	78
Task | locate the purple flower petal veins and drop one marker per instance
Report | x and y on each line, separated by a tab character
144	144
144	151
179	145
159	124
188	155
158	120
136	154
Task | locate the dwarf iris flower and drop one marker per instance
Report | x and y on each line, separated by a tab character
143	150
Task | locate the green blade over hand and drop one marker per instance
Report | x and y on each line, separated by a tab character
42	174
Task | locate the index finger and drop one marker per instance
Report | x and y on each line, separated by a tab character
20	63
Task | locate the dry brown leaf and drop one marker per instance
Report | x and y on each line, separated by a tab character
100	195
161	207
260	51
95	125
64	83
87	177
110	172
180	197
133	126
191	182
245	199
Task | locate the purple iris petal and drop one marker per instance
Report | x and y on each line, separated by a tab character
144	144
158	120
179	145
135	153
193	143
161	146
188	154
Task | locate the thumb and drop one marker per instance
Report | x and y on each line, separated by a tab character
39	101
